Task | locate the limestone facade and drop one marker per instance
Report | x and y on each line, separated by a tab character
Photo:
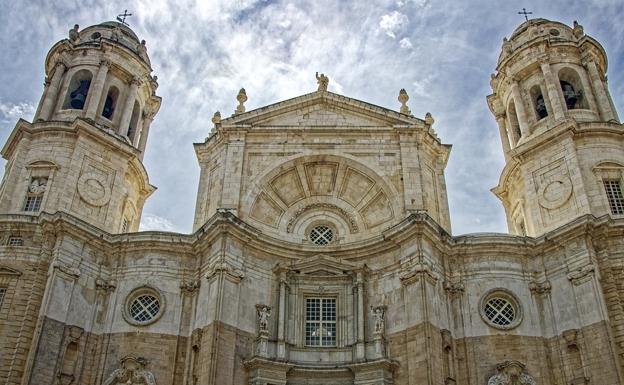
322	250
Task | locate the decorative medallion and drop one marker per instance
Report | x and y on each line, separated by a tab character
93	189
554	194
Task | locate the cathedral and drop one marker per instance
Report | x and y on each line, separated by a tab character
321	251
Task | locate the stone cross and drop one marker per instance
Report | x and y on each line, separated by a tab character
122	17
525	13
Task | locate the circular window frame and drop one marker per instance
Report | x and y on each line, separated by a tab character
316	224
509	297
134	294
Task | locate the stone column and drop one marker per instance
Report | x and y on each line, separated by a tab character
515	137
360	349
502	127
552	85
128	106
604	106
281	341
96	90
51	93
520	110
142	138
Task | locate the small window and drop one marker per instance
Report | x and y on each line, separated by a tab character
2	295
320	326
613	190
501	309
143	306
321	235
15	241
34	196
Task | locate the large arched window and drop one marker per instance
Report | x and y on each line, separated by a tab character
77	91
110	103
572	88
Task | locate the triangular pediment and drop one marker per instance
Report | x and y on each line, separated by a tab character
322	109
322	265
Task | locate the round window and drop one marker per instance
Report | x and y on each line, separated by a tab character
501	309
143	306
321	235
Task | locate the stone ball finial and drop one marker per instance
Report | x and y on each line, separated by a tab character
429	119
403	98
73	33
242	98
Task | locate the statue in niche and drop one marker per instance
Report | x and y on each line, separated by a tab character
323	82
511	373
264	313
73	34
132	372
379	313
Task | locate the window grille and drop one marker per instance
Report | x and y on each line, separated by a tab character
2	294
500	311
15	241
33	203
144	308
320	326
613	189
321	235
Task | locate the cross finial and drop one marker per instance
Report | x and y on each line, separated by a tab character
122	17
525	13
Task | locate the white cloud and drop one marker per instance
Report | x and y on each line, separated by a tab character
152	222
405	43
10	112
393	22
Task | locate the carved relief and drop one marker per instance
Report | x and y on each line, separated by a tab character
132	372
554	189
581	275
231	272
511	373
412	270
555	193
70	359
93	189
328	206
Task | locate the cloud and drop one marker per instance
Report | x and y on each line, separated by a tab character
405	43
10	112
152	222
393	22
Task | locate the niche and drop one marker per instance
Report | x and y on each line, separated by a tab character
539	104
109	104
572	89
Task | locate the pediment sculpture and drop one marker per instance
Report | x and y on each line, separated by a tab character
131	372
511	373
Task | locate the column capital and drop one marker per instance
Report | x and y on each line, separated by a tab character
135	81
543	59
105	63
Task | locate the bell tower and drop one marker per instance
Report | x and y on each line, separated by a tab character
83	152
560	132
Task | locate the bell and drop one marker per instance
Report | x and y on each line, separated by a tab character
569	94
79	95
540	107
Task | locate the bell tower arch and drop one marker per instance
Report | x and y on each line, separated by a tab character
83	151
557	124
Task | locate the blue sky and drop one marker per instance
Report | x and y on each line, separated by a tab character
203	52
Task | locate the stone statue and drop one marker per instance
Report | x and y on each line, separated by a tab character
323	82
507	48
264	313
578	30
73	34
379	313
142	50
429	119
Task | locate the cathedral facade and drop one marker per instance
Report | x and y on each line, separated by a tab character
321	251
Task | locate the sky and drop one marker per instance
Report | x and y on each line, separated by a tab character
203	52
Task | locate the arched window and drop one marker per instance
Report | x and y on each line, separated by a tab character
110	103
134	121
78	90
539	104
514	124
572	89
